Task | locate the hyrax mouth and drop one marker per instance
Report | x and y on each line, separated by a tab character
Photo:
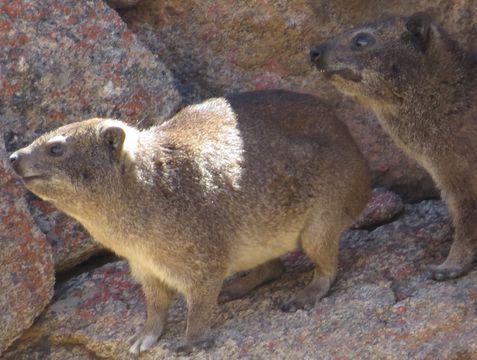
33	177
345	74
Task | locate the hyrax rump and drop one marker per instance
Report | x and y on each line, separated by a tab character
226	185
423	89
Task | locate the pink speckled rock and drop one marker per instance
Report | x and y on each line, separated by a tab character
26	264
70	243
382	306
383	207
224	46
63	61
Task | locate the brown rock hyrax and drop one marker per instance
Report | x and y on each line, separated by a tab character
226	185
423	89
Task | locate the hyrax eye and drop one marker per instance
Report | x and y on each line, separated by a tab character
361	41
56	149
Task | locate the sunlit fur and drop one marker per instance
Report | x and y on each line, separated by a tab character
224	186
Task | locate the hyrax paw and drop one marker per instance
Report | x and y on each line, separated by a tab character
205	344
294	305
142	342
183	349
288	306
441	272
186	348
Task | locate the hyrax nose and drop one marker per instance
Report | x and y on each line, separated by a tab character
15	161
317	54
14	158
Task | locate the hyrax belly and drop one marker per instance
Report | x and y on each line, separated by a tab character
254	248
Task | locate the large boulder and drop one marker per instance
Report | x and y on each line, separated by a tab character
26	265
64	61
381	307
216	47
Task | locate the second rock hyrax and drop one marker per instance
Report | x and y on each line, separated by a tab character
423	89
227	185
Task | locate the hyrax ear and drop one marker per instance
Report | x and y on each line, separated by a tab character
418	28
114	137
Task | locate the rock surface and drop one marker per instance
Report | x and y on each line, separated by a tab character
63	61
383	207
71	244
381	307
26	265
216	47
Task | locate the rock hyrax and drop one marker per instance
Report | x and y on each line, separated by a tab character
226	185
423	89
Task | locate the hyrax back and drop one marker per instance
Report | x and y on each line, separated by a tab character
423	88
226	185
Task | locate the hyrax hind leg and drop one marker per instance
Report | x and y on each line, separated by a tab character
262	274
320	241
158	298
463	208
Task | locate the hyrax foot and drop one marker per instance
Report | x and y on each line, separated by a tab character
186	348
297	303
158	297
445	272
306	298
143	340
458	262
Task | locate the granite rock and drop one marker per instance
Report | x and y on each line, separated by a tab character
383	206
26	265
64	61
71	244
382	306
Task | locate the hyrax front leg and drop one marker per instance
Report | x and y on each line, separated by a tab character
463	209
320	241
262	274
158	298
201	303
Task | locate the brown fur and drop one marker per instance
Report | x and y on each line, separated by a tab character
423	88
224	186
122	4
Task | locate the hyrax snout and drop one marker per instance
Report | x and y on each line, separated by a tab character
227	185
423	88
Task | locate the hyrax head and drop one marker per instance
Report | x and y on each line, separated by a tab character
378	63
72	162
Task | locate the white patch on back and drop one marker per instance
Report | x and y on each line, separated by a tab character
222	155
